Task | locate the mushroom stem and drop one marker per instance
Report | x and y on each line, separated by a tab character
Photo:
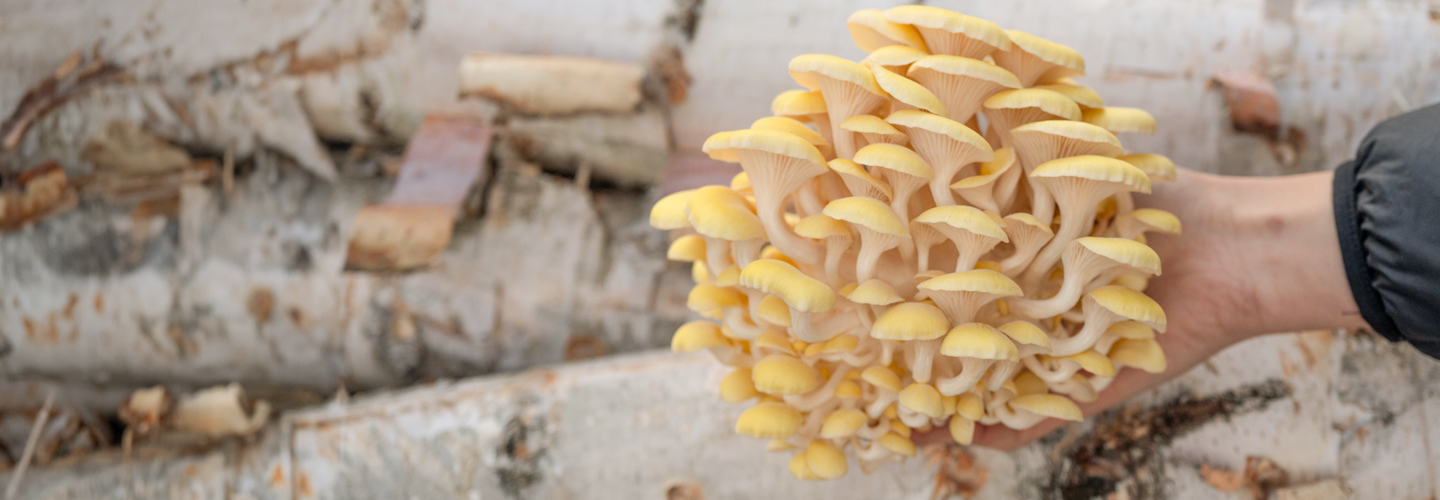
744	251
887	352
717	255
807	200
801	326
1063	300
1017	419
971	370
1001	372
741	325
877	407
1078	388
1017	261
921	357
1095	326
869	257
1067	368
825	393
912	419
834	249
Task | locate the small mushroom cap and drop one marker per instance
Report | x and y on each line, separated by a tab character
698	273
897	158
1095	168
872	32
895	55
882	377
820	226
720	212
848	389
1081	94
769	421
1161	220
869	213
1131	330
779	445
1050	52
988	264
707	297
809	69
741	182
790	126
825	460
990	171
962	430
729	277
964	217
798	103
784	374
910	321
775	311
669	212
1094	362
1027	383
726	146
898	444
1048	101
970	406
964	66
777	278
697	335
1025	332
800	469
1129	252
874	292
941	19
980	341
1121	120
774	339
869	124
1144	354
1050	405
842	423
738	386
939	125
1021	221
907	91
847	167
1158	167
688	248
841	343
975	280
1077	131
1131	305
923	399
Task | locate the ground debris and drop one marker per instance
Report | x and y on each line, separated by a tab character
67	82
38	193
1261	477
958	474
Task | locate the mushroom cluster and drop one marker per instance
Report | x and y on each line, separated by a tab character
942	234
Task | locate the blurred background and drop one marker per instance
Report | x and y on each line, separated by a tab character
414	234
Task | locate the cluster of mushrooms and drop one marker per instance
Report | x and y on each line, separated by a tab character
942	234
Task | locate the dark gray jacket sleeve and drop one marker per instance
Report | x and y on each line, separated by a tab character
1387	213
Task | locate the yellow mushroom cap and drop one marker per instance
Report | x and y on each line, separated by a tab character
910	321
1027	383
669	212
741	182
872	32
898	444
769	421
1095	363
779	445
798	103
775	311
874	292
1131	305
848	389
1144	354
726	146
729	277
820	226
847	167
841	343
1158	167
939	125
1079	131
697	335
790	126
800	469
1121	120
1131	330
988	264
975	280
706	297
1129	252
825	460
1096	168
895	55
1025	332
1050	405
941	19
737	386
867	212
964	217
1081	94
1029	220
808	69
980	341
970	407
1161	220
1049	51
964	66
893	157
774	339
799	291
880	376
783	374
962	430
842	423
688	248
869	124
923	399
907	91
720	212
1048	101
